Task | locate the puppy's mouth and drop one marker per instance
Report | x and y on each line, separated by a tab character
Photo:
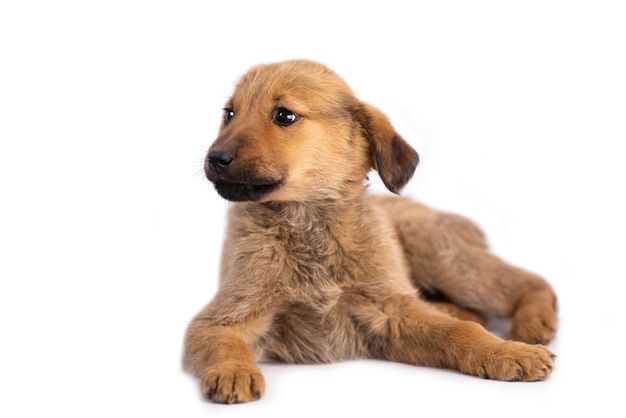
246	192
239	180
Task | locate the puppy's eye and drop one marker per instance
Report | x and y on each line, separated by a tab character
284	117
228	115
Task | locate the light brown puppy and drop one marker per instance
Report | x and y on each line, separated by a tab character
316	270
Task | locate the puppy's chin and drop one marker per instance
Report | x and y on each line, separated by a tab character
240	192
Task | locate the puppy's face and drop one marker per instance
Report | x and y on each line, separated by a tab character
294	131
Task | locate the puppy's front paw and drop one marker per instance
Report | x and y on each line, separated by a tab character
232	383
516	361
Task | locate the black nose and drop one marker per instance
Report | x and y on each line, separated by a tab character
219	160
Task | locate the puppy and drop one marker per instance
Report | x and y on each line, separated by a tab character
315	270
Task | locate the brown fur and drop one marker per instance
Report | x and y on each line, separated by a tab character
315	270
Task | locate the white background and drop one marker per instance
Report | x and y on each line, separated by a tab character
110	235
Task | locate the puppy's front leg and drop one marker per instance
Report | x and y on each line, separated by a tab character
221	357
414	332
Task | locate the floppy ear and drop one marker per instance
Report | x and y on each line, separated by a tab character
392	157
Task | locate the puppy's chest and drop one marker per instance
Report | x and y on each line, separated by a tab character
314	258
315	271
319	275
305	244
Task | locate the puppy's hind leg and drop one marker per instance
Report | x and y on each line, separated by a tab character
534	318
475	278
448	255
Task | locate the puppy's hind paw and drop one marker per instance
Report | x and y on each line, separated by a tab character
534	324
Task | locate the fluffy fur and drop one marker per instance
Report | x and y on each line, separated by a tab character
316	270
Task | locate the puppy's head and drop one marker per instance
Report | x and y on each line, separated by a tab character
295	131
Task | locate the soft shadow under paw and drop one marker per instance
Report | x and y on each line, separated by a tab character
499	326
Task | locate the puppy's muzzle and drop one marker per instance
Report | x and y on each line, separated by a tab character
218	161
239	181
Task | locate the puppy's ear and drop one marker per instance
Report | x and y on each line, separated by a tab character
392	157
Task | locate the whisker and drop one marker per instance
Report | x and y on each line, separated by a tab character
200	170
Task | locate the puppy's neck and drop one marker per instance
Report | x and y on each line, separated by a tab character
301	216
